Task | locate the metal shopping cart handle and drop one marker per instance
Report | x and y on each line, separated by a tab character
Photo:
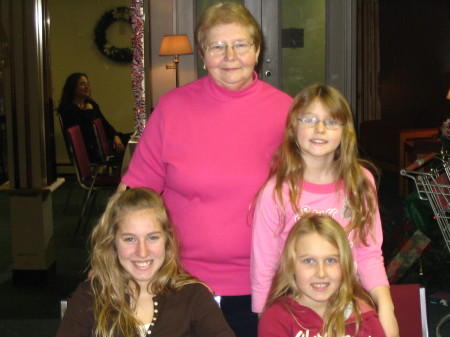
420	162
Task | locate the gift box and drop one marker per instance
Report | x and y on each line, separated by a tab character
409	252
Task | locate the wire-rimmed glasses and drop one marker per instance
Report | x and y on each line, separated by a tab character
220	48
311	122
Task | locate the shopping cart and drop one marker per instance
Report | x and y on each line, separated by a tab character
434	185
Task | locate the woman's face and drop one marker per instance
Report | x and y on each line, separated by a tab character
82	89
232	71
140	244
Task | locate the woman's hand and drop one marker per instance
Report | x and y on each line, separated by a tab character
118	145
382	297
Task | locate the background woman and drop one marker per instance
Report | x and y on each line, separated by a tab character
207	147
138	287
78	108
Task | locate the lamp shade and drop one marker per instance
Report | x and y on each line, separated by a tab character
448	94
175	45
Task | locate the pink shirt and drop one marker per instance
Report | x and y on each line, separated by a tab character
267	242
208	150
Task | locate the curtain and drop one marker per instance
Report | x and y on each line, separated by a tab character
368	69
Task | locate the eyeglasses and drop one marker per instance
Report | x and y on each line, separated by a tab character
220	48
312	122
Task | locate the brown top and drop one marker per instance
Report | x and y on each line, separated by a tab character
192	311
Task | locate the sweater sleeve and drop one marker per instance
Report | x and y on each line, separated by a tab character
369	259
265	247
208	319
146	168
78	320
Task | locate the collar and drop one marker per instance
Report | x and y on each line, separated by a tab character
225	95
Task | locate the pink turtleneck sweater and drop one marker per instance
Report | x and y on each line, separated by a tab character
208	151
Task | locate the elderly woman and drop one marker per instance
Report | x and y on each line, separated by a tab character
207	148
138	287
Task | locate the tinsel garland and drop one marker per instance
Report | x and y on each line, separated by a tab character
137	24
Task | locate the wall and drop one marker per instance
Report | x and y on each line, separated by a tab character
73	50
306	65
415	58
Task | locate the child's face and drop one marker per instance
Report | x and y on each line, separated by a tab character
318	141
318	271
140	244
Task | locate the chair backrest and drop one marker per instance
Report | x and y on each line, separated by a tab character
79	152
410	309
102	141
66	139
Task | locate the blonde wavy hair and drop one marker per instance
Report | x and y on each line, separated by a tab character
114	289
284	283
288	166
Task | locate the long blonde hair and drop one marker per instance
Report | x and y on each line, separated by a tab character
115	291
284	283
288	166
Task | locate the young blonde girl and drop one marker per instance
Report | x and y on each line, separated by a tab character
138	287
317	170
315	291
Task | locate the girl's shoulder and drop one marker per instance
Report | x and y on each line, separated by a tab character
268	190
190	290
269	184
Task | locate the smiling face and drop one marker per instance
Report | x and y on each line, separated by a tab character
82	89
230	71
317	141
140	244
318	272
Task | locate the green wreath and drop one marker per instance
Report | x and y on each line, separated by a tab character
123	55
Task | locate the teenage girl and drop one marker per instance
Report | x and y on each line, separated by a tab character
317	170
315	291
137	285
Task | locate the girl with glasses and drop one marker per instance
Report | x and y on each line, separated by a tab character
317	170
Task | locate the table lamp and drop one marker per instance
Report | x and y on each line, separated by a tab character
175	45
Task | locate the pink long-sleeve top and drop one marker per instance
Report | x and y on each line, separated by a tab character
268	238
208	150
